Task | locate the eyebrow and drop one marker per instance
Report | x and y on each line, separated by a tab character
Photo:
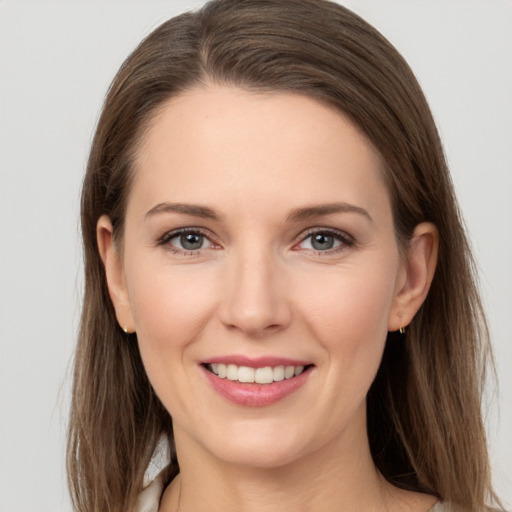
310	212
184	209
296	215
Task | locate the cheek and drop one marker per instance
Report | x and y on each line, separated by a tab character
357	300
348	314
349	320
170	309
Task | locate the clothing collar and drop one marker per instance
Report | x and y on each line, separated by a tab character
153	483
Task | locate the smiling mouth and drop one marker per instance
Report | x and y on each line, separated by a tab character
263	375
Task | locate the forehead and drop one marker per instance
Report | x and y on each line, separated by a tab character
209	141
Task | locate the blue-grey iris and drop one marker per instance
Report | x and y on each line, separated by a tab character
322	242
191	241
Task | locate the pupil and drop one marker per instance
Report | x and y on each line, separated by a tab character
191	241
323	242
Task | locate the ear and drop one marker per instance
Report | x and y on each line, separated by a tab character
114	272
418	271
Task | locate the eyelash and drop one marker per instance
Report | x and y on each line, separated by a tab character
340	236
167	237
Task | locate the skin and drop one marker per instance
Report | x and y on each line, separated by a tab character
257	286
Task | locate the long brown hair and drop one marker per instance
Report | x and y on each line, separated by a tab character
424	407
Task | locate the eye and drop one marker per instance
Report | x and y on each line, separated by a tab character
189	241
186	241
325	240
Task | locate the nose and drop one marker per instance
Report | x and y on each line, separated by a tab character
254	298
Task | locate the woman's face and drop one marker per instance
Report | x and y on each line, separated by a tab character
259	237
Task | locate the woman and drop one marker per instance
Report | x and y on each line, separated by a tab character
275	260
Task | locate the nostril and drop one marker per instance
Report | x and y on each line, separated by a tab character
255	330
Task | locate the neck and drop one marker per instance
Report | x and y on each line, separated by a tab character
338	476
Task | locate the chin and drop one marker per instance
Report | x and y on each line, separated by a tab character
258	457
260	447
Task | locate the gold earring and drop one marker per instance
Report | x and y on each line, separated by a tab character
401	330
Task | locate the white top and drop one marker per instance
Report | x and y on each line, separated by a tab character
153	485
440	507
149	498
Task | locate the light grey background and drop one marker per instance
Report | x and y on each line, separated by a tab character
56	61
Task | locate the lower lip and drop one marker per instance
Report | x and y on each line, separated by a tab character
256	395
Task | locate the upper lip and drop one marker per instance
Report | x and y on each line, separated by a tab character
256	362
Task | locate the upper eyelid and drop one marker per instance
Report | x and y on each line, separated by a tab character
346	241
165	239
332	231
167	236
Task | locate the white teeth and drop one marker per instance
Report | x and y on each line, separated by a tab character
222	370
298	370
278	373
289	372
264	375
232	372
245	374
